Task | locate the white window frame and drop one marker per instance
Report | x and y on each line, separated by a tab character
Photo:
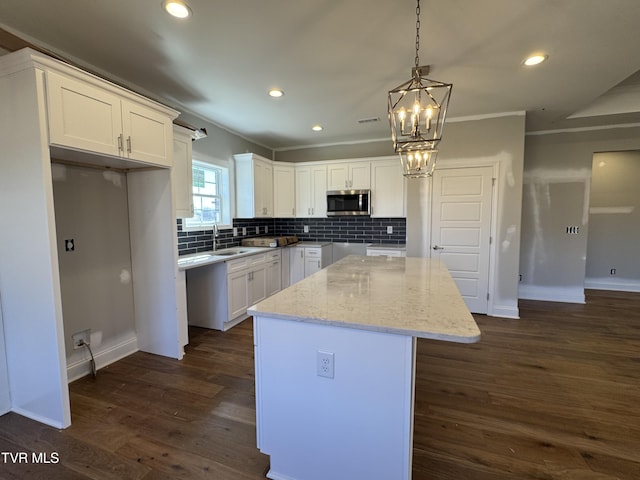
228	194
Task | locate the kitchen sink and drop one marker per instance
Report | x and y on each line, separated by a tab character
231	251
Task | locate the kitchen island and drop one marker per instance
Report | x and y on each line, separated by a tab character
335	365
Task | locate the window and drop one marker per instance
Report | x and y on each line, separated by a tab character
211	203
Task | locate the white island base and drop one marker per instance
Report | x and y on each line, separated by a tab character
357	425
365	314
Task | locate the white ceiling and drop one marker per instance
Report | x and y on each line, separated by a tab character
336	59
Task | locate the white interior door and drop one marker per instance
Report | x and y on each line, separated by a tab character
461	229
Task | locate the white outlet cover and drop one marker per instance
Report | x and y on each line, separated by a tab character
235	231
389	229
325	364
306	229
244	230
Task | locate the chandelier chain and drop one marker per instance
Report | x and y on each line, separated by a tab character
417	34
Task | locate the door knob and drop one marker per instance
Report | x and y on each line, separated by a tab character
436	247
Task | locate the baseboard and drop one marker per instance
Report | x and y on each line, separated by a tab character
102	358
551	294
505	311
39	418
617	284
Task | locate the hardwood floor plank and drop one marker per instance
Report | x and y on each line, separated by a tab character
552	396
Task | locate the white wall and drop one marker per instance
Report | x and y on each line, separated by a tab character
95	279
614	222
557	178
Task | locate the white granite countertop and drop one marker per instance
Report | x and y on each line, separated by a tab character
193	260
407	296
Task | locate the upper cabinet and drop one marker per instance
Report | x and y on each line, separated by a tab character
182	172
311	191
284	192
350	176
254	186
387	189
85	116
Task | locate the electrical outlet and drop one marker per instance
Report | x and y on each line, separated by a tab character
244	231
81	338
389	229
612	271
266	229
305	229
257	230
235	231
325	364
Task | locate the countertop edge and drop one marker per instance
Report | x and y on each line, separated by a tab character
368	327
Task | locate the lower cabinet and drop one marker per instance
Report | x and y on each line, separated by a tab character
218	295
307	260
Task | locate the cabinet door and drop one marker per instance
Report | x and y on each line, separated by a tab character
238	284
263	189
338	176
148	135
182	175
296	264
360	175
257	282
274	277
319	191
83	116
284	198
388	189
312	265
303	192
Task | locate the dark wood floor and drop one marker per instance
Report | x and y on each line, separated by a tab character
555	395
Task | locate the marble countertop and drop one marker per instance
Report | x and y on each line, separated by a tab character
407	296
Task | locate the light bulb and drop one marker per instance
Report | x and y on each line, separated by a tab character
177	8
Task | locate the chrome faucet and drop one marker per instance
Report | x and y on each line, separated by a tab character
215	235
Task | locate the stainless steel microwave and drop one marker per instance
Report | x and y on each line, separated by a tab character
348	202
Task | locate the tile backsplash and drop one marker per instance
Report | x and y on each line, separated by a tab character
334	229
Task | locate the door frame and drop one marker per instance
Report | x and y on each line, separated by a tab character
459	164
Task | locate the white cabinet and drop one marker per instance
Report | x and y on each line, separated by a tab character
311	191
296	264
355	175
305	260
386	252
182	173
84	116
273	273
387	189
218	295
32	308
254	186
284	192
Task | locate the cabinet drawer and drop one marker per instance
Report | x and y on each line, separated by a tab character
312	253
257	259
383	252
275	255
237	264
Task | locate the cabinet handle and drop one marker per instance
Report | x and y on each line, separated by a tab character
312	210
120	147
301	254
318	263
129	144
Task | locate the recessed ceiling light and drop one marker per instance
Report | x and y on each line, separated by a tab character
317	128
176	8
535	59
276	93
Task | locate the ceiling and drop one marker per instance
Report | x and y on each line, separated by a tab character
336	59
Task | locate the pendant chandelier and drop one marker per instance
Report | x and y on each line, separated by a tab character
417	111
